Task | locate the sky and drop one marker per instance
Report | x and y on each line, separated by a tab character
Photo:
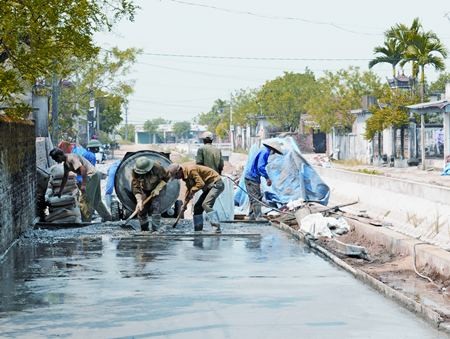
197	51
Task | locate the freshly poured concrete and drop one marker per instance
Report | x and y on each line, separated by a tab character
103	282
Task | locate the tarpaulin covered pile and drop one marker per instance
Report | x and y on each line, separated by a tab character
293	179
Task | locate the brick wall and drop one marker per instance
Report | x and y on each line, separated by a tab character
17	180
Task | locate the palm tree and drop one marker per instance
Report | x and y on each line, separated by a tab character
426	49
392	53
404	36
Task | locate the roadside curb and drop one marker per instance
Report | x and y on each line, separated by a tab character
423	311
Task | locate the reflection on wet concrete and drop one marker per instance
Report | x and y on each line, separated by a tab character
101	282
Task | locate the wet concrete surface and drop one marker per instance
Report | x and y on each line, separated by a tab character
251	282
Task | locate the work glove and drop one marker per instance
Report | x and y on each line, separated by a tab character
158	188
139	203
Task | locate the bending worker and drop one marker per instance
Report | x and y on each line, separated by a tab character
198	178
254	173
148	178
209	155
90	182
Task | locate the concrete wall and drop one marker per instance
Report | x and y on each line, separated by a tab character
417	209
17	180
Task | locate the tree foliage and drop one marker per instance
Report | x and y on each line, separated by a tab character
152	125
102	78
338	93
438	86
390	111
218	118
283	99
391	52
37	38
181	129
131	129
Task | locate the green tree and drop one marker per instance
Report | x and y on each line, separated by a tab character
390	111
37	40
283	99
438	86
404	36
426	49
131	132
181	129
152	125
217	119
102	78
391	53
336	94
245	106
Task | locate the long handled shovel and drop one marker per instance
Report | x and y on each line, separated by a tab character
183	208
153	194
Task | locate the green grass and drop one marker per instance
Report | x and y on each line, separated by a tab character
369	171
351	162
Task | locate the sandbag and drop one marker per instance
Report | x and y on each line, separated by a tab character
60	213
63	201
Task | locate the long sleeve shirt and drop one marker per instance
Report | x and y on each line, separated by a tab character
111	175
258	165
146	183
198	177
211	157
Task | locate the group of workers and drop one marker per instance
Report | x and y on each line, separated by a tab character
149	179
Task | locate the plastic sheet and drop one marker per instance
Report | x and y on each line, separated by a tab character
292	178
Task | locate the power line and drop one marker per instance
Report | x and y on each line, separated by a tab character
274	17
163	103
198	56
197	72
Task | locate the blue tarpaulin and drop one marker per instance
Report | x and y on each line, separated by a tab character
292	177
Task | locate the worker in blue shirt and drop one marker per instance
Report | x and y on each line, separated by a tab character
110	182
254	173
88	155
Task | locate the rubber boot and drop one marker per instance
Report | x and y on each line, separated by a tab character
156	222
214	220
144	226
257	211
198	222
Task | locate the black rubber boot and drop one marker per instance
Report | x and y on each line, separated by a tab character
198	222
144	226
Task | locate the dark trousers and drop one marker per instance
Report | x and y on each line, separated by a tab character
208	198
254	194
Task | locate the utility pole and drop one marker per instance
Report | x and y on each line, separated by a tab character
126	119
91	116
231	124
55	100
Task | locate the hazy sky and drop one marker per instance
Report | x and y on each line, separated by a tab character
179	88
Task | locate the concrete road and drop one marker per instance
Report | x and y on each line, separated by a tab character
252	282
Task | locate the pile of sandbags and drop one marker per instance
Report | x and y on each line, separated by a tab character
64	209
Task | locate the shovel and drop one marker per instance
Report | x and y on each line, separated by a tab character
183	208
153	194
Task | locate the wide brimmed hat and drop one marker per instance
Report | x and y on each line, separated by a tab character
143	165
274	145
207	135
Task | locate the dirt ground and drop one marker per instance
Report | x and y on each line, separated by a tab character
397	271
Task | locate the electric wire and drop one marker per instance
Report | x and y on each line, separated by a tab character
415	267
273	17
